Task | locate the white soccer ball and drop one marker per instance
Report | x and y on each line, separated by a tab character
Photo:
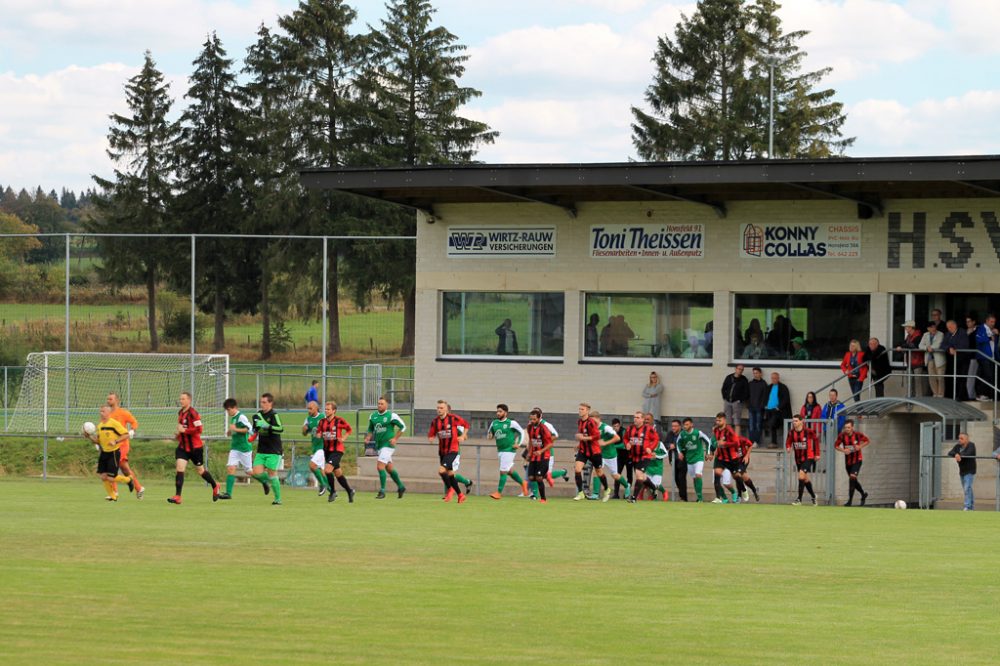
89	428
900	504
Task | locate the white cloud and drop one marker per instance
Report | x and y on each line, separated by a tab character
974	25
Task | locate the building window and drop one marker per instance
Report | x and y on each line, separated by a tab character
801	327
647	326
502	324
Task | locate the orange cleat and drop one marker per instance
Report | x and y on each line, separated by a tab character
448	495
666	496
496	495
461	498
525	489
541	501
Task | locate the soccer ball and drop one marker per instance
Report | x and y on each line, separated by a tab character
900	504
89	428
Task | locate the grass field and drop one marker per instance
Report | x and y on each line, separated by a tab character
419	582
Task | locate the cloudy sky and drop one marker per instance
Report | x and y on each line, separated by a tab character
558	77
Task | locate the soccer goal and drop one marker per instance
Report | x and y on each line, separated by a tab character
60	391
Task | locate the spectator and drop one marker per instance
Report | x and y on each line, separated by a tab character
735	393
618	337
663	348
779	337
756	404
934	357
755	349
986	343
708	340
937	319
878	363
965	455
855	368
591	337
834	409
971	325
312	395
779	407
506	339
754	329
694	348
913	357
652	396
955	338
810	408
799	352
606	340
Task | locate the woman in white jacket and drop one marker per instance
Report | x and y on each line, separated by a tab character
934	358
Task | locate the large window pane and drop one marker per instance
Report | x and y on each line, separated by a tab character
648	326
801	327
479	323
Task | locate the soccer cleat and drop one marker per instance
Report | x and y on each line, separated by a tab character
814	501
525	495
215	493
225	496
139	493
797	502
565	476
607	495
579	496
496	496
276	503
849	502
322	490
630	500
448	495
746	496
735	500
332	497
400	492
592	497
381	495
176	499
864	497
524	488
533	497
267	488
756	496
111	498
718	500
461	498
541	501
666	496
131	485
350	496
468	488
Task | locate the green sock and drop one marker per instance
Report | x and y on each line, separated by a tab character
501	483
596	483
628	488
697	487
381	480
558	474
517	477
276	488
733	491
263	478
321	478
533	487
395	479
230	482
461	479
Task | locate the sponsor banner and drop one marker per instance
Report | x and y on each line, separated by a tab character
647	241
508	241
800	241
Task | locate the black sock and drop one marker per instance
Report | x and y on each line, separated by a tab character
342	479
740	486
579	482
749	484
618	486
329	479
649	484
604	481
850	490
541	488
809	487
179	482
802	486
857	484
208	478
719	492
444	480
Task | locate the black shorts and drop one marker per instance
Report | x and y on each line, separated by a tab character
596	460
855	468
195	456
808	466
739	467
108	462
640	465
448	460
726	464
538	468
333	458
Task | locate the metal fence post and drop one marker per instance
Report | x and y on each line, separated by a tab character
479	461
66	325
326	311
45	457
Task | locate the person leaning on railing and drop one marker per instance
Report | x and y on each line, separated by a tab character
957	365
934	358
878	360
854	367
914	357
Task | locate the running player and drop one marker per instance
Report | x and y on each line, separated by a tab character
804	442
554	473
611	443
640	441
240	451
678	464
508	435
691	444
332	429
318	459
190	449
109	437
588	439
385	429
124	416
850	444
448	431
269	428
727	453
624	468
540	440
742	465
654	472
458	477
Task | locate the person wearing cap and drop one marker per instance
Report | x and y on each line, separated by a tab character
934	357
914	357
799	352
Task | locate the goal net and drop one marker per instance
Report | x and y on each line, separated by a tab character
60	391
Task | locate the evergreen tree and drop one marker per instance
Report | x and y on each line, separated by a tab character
138	199
710	93
67	199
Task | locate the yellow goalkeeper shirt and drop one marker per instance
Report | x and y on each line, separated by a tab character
108	433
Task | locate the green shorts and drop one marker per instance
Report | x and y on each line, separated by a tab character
270	461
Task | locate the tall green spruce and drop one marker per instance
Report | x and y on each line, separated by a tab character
412	79
138	200
210	173
710	92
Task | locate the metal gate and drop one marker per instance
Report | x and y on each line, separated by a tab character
930	463
824	480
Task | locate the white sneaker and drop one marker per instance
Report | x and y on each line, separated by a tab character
717	501
607	495
579	496
745	496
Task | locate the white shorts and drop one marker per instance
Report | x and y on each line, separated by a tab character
727	477
318	458
695	469
610	465
242	459
458	460
385	454
657	479
506	460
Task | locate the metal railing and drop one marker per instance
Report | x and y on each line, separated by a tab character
928	460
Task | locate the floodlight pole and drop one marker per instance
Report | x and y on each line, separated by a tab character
194	241
326	307
66	323
771	61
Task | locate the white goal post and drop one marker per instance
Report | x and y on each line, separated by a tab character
60	390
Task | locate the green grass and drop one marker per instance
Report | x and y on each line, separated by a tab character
420	582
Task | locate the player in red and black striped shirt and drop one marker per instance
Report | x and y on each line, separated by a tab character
190	448
332	429
850	444
640	442
539	451
746	445
727	454
804	442
449	431
588	449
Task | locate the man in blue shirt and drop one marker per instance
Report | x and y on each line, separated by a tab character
312	395
834	409
779	407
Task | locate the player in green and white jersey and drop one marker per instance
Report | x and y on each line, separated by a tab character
240	450
318	459
611	444
691	447
508	435
385	429
654	471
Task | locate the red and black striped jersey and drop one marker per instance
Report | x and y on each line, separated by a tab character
804	443
745	446
729	448
539	436
641	442
591	447
329	430
447	429
189	436
851	446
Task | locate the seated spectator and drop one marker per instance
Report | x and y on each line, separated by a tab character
799	352
755	348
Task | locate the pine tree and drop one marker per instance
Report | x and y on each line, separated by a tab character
710	93
138	199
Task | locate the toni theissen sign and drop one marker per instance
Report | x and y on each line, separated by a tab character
800	241
647	241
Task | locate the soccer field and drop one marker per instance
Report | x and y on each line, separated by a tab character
416	581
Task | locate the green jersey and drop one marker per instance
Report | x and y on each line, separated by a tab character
507	434
655	466
382	427
692	445
607	434
312	423
240	441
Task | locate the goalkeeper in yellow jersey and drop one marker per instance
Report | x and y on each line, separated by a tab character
109	437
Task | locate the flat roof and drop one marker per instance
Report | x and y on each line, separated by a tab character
866	181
